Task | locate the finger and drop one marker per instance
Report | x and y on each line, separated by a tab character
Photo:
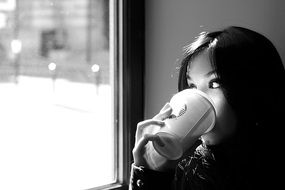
163	114
144	140
142	125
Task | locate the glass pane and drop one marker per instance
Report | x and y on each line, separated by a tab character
57	100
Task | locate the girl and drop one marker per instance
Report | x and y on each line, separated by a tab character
241	71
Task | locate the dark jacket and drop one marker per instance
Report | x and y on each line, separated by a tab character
201	170
207	168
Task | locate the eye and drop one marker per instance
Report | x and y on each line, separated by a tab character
214	84
191	85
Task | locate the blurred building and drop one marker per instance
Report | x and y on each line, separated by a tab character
71	34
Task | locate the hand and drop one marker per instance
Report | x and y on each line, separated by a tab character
143	152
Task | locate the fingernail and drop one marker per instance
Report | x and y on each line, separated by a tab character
168	109
164	107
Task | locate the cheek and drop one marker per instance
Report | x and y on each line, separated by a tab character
226	119
224	112
219	105
219	101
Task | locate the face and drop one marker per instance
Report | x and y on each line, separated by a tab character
202	76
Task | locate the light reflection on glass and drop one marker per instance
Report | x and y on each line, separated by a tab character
56	130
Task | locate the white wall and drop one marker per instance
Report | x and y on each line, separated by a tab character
171	24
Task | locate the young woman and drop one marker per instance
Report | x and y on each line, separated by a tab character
241	71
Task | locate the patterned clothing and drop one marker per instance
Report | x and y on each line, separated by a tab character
204	169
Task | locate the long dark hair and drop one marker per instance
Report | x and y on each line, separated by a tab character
252	77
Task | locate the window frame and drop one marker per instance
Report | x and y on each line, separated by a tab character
133	62
129	68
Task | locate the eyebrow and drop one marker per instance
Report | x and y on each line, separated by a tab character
207	74
210	73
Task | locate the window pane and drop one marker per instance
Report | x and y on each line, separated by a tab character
57	97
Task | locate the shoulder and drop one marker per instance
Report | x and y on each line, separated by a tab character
201	169
203	156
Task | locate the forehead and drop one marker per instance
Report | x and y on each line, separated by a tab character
200	64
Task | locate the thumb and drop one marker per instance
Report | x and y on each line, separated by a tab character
166	106
164	113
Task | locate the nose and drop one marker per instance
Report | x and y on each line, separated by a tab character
202	87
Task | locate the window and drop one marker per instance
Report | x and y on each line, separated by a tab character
57	97
71	82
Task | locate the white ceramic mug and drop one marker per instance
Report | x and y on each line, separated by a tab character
193	115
